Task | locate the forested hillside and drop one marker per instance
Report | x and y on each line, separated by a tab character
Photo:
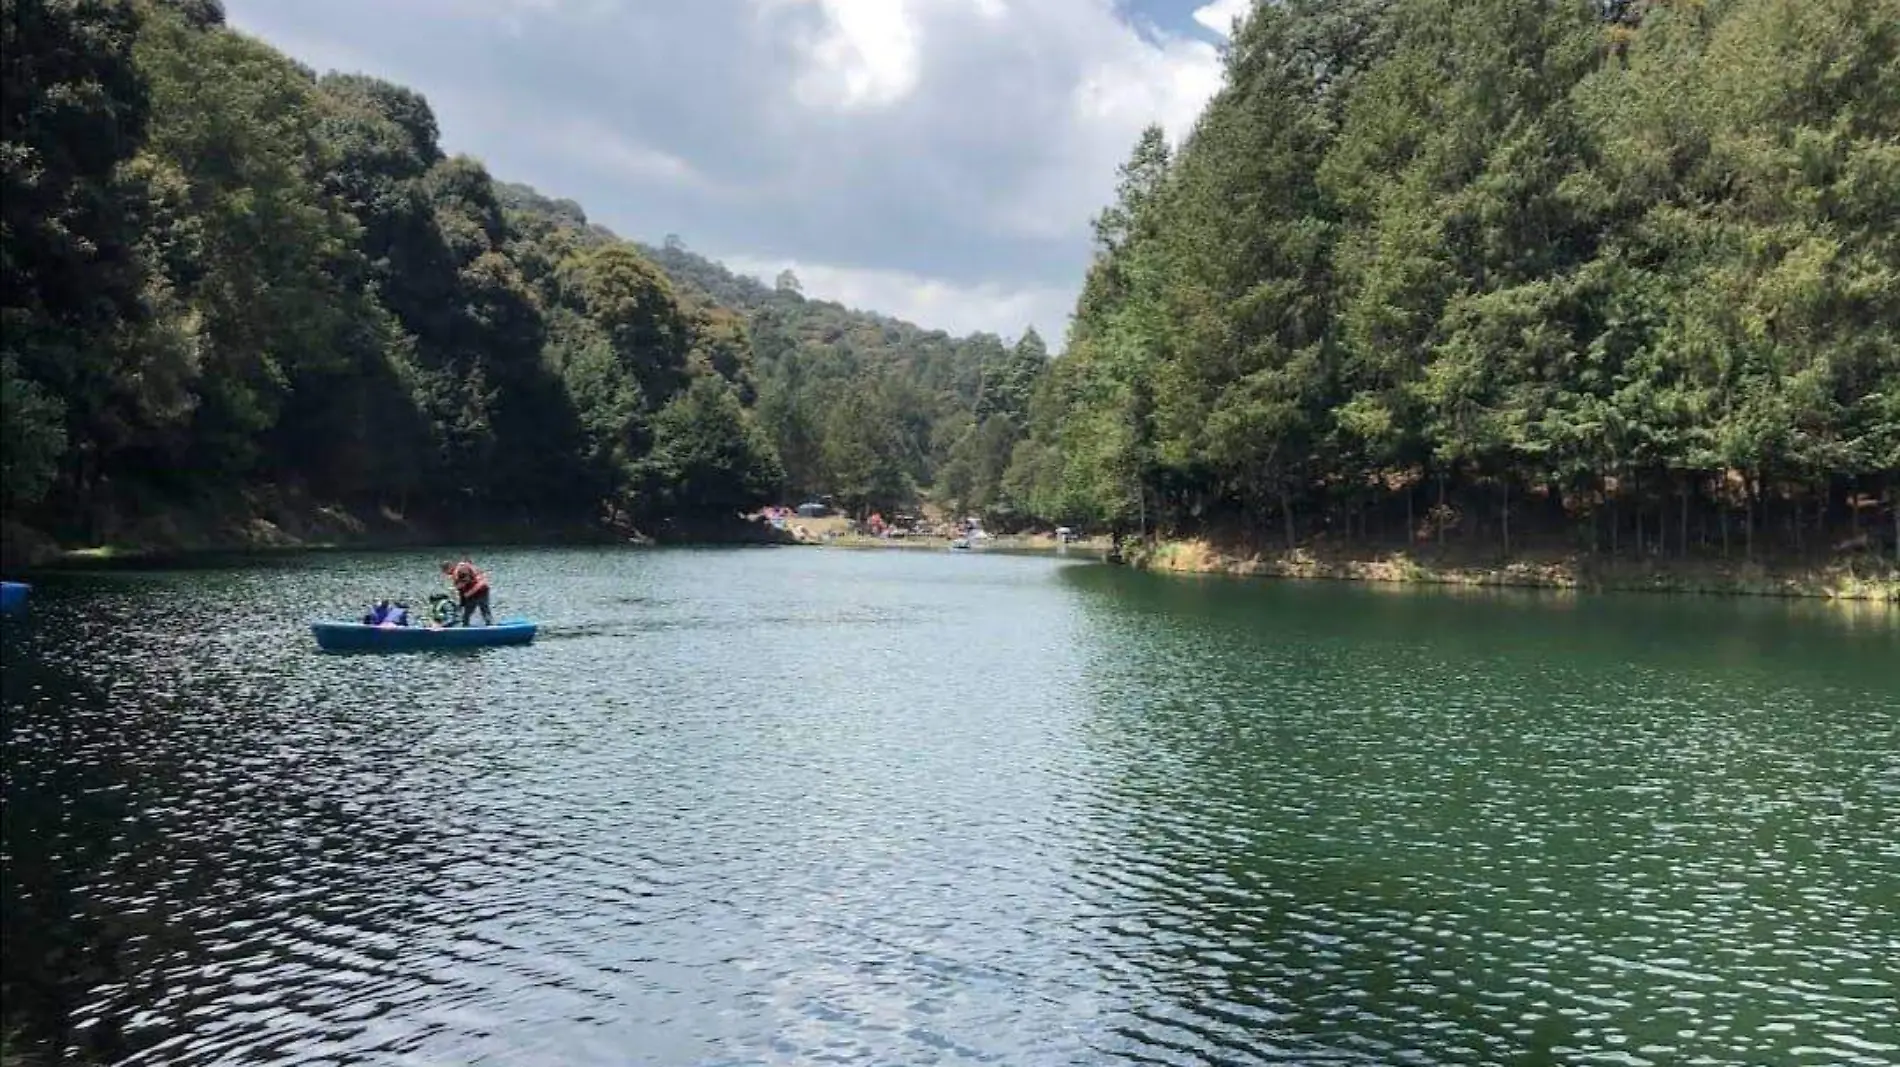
873	410
1623	277
860	407
1626	275
224	272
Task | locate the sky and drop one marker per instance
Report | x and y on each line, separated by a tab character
936	160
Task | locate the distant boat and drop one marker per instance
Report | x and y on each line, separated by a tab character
13	595
961	544
359	637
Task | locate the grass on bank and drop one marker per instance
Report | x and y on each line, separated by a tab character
1851	578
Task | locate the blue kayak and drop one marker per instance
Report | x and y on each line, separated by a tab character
357	637
13	595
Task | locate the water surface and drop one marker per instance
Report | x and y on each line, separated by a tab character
801	806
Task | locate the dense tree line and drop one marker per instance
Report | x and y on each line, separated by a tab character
1425	269
871	411
865	410
1476	269
222	270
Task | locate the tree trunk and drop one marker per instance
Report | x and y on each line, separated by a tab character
1748	516
1286	513
1439	526
1682	543
1411	527
1506	516
1638	516
1616	522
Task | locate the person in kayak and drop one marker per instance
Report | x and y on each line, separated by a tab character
383	613
471	587
442	611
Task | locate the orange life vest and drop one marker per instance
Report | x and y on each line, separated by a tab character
469	581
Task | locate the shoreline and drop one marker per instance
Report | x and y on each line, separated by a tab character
1040	544
330	529
142	557
50	556
1850	578
276	525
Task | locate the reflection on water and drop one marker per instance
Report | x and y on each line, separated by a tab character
1476	831
803	806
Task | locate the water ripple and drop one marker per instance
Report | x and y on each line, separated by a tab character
810	807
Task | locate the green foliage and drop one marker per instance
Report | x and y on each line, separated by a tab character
1010	377
708	457
31	438
633	305
864	452
222	271
255	261
977	450
805	354
1621	258
73	110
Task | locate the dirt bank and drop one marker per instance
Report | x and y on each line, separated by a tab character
280	518
1848	578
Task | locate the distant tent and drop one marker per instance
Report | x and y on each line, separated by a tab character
812	511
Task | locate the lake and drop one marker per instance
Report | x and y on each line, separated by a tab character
781	806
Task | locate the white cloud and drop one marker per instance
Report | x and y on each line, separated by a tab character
865	55
941	158
1219	16
959	309
1117	81
584	139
